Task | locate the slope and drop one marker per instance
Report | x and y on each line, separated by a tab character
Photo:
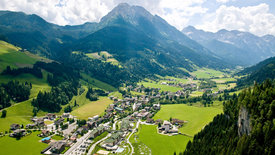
258	73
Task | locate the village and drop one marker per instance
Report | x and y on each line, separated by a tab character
109	130
119	120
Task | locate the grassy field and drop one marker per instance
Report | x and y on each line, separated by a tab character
196	93
90	108
196	117
57	137
104	56
207	73
158	85
11	56
223	80
148	140
96	83
21	113
28	145
116	94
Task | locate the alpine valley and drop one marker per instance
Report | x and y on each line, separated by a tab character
133	84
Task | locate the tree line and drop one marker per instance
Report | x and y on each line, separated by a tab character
14	91
221	136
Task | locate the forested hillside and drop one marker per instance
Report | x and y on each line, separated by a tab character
142	43
246	127
258	73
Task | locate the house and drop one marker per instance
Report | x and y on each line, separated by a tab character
59	121
156	106
150	120
66	115
158	121
113	140
177	122
147	108
40	122
91	124
46	140
99	130
50	116
18	133
73	138
44	133
30	126
96	117
166	126
143	114
58	147
15	126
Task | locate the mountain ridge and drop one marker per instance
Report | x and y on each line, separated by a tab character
248	48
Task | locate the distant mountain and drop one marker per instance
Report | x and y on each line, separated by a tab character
137	38
259	72
143	43
238	47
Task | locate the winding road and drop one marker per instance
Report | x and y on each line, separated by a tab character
134	130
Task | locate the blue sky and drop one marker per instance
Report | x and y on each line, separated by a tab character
255	16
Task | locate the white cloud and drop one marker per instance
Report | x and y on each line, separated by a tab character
254	19
222	1
73	12
179	13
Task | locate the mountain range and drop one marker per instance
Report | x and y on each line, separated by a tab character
242	48
131	34
143	43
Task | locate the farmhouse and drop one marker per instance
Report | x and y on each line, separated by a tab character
66	115
58	147
30	126
59	121
18	133
15	126
177	122
150	120
167	127
50	116
44	133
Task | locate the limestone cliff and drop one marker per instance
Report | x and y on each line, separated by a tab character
244	126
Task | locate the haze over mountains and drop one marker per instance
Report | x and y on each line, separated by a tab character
241	48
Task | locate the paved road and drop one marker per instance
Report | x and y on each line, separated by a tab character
134	130
93	146
78	143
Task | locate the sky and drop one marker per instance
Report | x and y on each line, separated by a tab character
255	16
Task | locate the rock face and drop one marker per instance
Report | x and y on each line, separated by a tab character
244	126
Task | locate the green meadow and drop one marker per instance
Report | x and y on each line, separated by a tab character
153	84
148	140
90	108
207	73
196	117
28	145
11	56
87	80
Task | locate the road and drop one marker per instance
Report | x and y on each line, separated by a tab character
93	146
78	143
134	130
